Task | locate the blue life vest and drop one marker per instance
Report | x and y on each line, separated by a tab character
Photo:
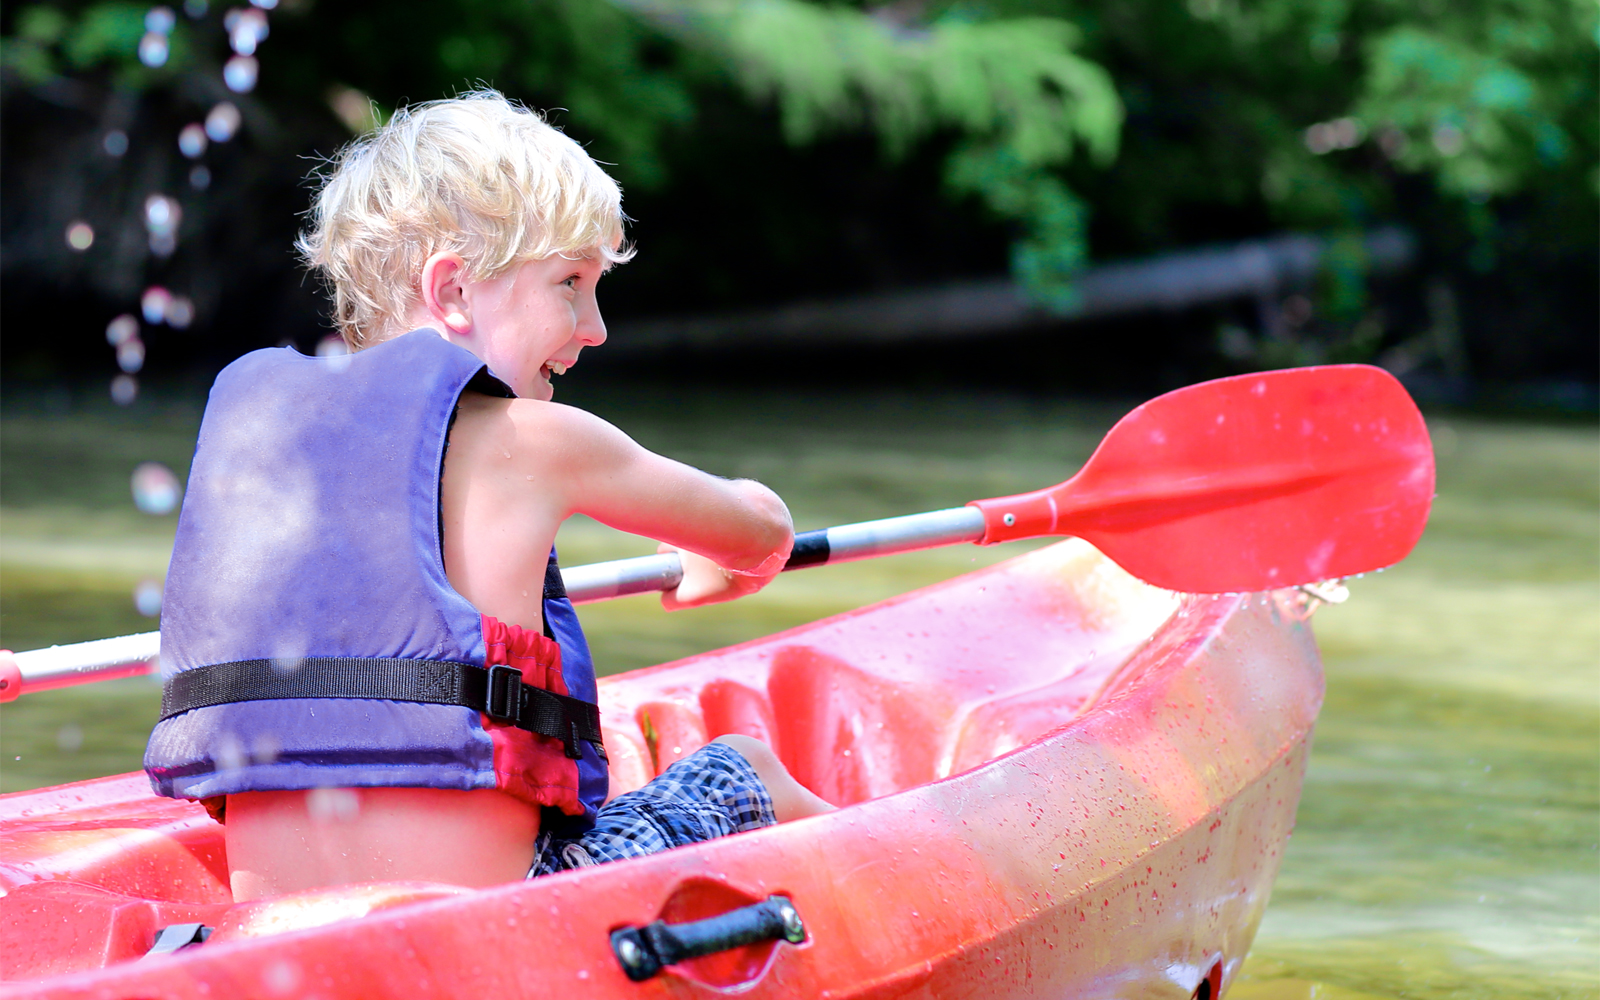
308	564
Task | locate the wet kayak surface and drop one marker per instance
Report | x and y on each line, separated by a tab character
1445	842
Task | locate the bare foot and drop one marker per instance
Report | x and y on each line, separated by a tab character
790	799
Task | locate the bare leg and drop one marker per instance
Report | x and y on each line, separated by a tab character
790	799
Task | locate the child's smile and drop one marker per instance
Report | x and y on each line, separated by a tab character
528	324
532	321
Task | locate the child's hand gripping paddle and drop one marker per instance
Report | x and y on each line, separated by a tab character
1245	483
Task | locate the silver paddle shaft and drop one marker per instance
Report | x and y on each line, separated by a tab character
82	662
131	655
845	543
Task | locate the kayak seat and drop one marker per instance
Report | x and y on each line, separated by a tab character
316	907
850	735
941	682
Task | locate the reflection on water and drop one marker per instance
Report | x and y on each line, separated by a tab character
1447	838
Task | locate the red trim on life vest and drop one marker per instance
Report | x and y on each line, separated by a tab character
528	766
535	654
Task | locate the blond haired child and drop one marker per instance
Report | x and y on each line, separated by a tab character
373	672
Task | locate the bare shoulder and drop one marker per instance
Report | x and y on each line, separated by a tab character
516	441
517	468
526	426
557	422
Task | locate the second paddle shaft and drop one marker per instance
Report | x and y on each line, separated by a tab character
130	655
602	581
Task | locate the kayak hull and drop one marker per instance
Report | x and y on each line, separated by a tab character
1059	782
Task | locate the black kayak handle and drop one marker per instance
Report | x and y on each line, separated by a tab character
643	951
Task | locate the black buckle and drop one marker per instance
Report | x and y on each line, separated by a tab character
503	697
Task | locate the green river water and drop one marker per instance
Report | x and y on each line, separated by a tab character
1448	842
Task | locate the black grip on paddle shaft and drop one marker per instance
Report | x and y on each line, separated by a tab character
643	951
810	549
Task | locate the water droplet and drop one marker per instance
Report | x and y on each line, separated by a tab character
162	214
196	8
160	20
200	177
180	312
331	347
153	48
336	351
155	488
1448	139
281	977
227	752
192	140
264	748
130	355
80	236
122	328
325	805
222	122
240	74
246	30
161	217
69	738
124	389
116	142
153	303
147	597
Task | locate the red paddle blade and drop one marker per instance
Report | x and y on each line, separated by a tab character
1247	483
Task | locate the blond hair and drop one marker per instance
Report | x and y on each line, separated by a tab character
477	175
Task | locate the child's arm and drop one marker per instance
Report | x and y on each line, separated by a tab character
734	534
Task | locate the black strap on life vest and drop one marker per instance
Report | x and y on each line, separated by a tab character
498	692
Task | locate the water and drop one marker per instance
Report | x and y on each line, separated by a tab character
1447	839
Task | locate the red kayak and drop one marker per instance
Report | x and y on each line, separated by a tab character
1059	781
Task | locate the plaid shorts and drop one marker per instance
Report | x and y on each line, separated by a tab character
710	793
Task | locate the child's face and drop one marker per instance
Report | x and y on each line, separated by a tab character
530	323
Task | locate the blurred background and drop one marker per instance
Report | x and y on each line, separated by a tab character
1410	183
894	257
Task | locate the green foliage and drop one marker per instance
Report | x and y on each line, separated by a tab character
829	68
1482	106
609	77
1488	96
1014	89
105	32
1056	242
49	41
1472	121
28	52
1158	124
605	73
41	25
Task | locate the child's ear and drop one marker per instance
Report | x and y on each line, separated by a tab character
442	294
